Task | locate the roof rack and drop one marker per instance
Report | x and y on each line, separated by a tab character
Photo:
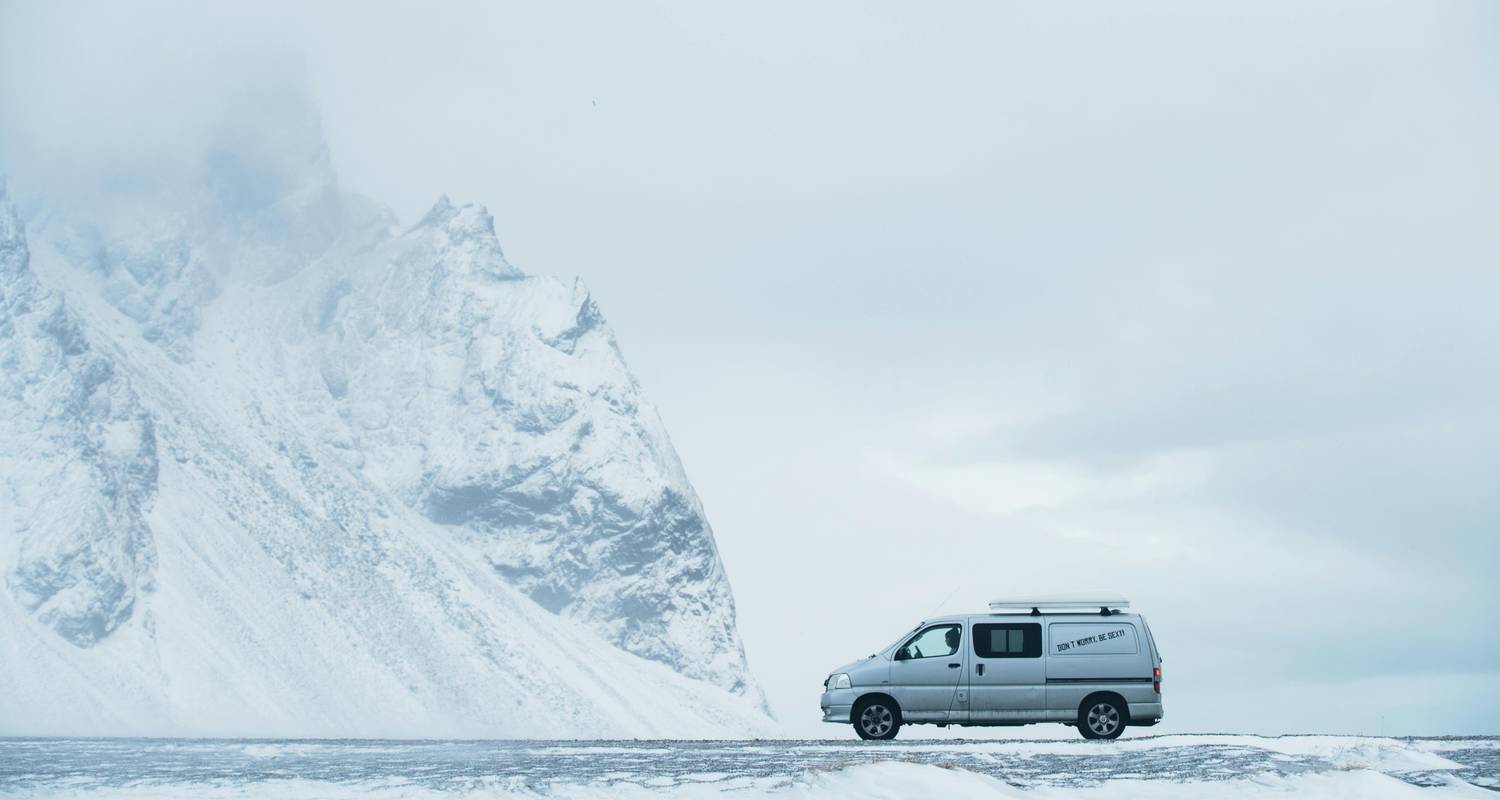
1078	601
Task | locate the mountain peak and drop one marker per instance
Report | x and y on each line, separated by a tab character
462	236
440	212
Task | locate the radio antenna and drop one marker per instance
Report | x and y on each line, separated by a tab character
943	603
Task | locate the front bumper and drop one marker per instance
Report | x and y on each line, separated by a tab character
836	705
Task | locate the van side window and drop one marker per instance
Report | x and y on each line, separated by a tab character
1009	640
939	640
1092	639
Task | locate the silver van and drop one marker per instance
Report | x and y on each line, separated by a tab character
1075	659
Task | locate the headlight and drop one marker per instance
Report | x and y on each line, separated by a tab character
839	681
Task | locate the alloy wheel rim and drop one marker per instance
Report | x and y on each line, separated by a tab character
876	720
1103	719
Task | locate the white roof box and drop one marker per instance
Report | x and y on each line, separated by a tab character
1082	601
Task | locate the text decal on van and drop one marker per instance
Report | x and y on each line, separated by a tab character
1088	640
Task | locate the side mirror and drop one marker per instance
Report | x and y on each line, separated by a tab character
903	654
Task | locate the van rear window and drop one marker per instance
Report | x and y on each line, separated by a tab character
1091	639
1010	640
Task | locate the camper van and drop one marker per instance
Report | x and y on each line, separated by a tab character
1081	660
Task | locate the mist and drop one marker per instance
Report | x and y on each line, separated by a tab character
938	304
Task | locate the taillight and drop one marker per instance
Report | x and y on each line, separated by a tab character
1156	679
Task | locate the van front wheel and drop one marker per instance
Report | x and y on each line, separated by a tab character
1101	718
876	719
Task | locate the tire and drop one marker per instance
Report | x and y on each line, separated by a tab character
1102	718
877	718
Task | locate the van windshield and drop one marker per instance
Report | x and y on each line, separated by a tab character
899	639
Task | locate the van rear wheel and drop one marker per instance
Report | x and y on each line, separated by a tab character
1101	718
876	719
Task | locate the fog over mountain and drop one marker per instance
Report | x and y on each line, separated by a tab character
275	462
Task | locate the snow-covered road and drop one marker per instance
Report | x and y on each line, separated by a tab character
1163	766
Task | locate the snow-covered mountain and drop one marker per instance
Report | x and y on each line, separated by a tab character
272	464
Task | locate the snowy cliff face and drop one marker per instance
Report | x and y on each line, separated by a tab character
499	406
84	553
272	465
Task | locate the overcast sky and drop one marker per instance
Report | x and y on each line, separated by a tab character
941	301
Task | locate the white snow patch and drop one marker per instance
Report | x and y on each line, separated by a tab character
882	781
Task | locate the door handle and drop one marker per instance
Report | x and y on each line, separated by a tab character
979	668
954	666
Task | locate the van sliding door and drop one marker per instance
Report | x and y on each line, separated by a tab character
1006	680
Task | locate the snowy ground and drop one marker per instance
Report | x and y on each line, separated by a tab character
1138	766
